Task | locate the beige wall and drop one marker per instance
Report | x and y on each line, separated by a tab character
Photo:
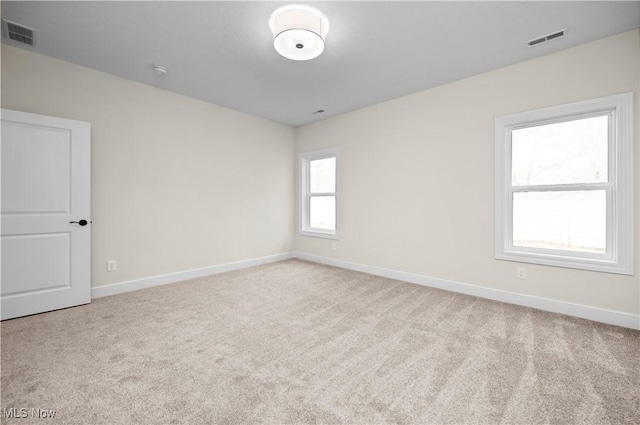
180	184
177	183
417	174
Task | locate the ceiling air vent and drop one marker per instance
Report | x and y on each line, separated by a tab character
18	32
547	37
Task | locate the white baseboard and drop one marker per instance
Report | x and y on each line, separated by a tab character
148	282
570	309
611	317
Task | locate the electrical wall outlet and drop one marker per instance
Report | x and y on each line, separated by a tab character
334	246
521	272
112	265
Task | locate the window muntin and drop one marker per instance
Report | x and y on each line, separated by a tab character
318	196
563	186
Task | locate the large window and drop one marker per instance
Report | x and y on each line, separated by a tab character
564	186
319	193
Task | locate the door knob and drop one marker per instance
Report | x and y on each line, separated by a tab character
81	222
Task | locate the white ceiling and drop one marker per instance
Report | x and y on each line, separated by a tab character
222	52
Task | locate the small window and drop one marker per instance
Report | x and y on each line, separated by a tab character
564	186
319	194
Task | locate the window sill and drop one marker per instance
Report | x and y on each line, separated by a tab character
319	234
598	265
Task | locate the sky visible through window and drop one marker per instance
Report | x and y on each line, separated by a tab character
570	152
322	186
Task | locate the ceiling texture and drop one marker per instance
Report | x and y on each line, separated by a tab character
222	51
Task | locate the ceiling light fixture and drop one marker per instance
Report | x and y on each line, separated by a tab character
298	32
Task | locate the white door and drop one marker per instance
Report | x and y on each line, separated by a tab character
46	257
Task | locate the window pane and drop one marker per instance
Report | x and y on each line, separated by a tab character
322	212
573	221
561	153
322	175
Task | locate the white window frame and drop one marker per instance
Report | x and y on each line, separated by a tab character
618	257
304	159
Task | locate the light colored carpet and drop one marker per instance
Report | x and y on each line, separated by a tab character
296	342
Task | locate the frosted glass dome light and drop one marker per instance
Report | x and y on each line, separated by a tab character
298	32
